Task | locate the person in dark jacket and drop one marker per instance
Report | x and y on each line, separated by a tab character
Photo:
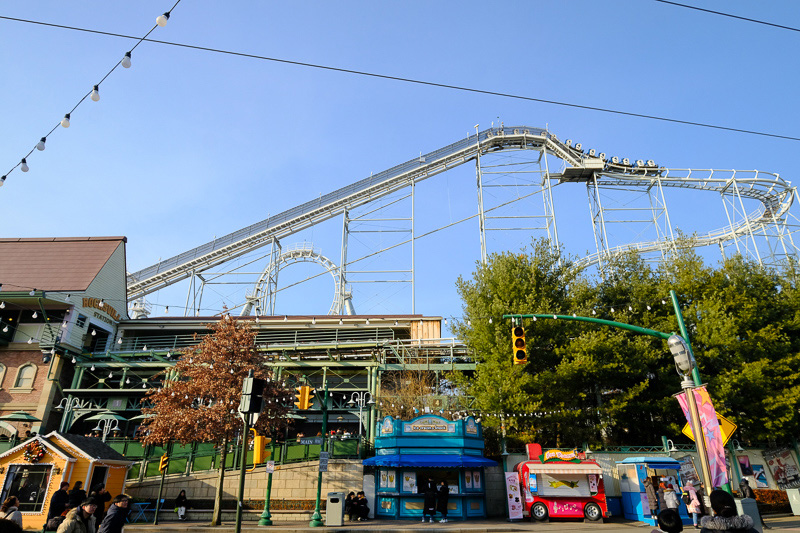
59	502
428	489
349	505
360	504
77	495
746	491
101	497
181	503
442	496
669	521
117	513
725	520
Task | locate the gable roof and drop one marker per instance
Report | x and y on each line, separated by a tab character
54	263
61	452
91	447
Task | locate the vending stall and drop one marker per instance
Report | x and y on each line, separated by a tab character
409	453
632	473
561	484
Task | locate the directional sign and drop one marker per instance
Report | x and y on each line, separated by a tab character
270	467
311	440
726	428
323	461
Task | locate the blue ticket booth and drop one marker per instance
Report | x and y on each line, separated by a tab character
632	473
409	452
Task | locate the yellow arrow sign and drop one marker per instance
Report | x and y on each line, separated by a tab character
726	428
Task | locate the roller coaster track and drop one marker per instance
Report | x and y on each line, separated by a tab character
774	194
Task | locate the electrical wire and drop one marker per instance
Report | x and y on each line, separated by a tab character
424	82
746	19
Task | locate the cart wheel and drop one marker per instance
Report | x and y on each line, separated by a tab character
593	512
539	511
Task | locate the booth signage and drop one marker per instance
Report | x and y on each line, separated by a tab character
514	499
311	441
560	455
428	425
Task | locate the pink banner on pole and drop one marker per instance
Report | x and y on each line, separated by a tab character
713	437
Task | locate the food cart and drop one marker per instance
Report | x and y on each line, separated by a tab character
561	484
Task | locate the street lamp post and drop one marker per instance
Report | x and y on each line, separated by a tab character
106	426
685	364
68	405
360	399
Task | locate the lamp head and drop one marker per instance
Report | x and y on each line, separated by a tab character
684	360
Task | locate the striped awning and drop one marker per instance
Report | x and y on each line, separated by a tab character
564	468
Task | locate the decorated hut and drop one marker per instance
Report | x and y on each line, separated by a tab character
34	470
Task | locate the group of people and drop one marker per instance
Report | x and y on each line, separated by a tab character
436	499
355	506
664	497
724	520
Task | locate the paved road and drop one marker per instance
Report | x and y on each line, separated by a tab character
781	525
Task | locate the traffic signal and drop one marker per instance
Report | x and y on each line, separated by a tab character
163	463
260	453
252	395
304	397
518	345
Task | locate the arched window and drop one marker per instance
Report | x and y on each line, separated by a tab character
25	376
2	374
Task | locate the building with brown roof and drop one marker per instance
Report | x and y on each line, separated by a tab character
59	297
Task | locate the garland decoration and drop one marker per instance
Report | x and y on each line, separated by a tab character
34	452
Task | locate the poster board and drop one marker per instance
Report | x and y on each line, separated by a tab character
760	476
687	471
569	485
476	479
409	482
513	496
783	468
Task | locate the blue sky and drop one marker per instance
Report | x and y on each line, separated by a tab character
187	145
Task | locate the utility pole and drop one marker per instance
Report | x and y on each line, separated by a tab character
316	518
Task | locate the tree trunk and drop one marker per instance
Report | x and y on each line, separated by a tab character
216	516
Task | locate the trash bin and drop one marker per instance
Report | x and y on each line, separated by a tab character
794	500
334	509
748	506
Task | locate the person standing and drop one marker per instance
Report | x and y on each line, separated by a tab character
652	499
428	490
77	495
693	504
181	503
101	496
117	513
671	497
725	520
10	510
442	497
746	491
59	502
80	519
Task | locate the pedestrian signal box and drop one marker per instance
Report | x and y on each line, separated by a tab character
519	349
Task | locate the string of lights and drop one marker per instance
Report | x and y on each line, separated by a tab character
400	79
93	95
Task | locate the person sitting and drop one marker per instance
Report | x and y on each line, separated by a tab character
181	503
362	509
349	505
669	521
725	520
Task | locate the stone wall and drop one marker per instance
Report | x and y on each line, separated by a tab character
295	481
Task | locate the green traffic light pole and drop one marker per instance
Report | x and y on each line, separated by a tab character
316	518
266	516
641	331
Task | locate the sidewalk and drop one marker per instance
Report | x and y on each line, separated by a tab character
786	523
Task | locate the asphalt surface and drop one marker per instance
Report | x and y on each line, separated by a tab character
778	524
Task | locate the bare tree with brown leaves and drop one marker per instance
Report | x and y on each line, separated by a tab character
200	397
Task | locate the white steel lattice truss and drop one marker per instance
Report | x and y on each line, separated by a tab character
517	193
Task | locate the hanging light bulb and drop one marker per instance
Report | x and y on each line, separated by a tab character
161	20
119	341
145	348
95	96
110	375
126	60
314	320
128	381
35	314
23	165
368	321
648	307
5	329
2	305
40	144
663	302
92	368
94	333
612	310
144	385
63	324
166	310
65	121
102	302
2	179
73	360
534	319
490	320
30	341
342	322
169	354
33	292
630	308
